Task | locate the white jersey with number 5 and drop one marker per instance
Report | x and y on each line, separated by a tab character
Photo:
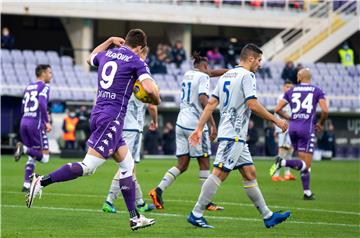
233	89
194	84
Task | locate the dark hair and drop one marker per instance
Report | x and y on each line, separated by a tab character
288	82
136	37
198	58
41	68
250	50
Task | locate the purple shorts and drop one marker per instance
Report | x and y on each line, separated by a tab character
33	137
106	135
302	140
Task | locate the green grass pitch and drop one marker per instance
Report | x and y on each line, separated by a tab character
73	209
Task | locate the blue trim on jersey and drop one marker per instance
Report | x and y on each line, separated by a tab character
230	139
250	97
133	130
200	94
213	95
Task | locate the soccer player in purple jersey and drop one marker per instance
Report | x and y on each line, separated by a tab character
303	100
35	123
118	69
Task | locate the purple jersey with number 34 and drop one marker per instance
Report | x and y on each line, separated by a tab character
303	100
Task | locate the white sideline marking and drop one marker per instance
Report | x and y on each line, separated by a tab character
189	201
183	216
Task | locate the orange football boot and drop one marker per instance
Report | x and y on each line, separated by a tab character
277	178
157	199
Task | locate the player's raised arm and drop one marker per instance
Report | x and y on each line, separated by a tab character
324	114
216	72
195	137
118	41
278	109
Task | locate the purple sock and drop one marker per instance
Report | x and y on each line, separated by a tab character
29	170
294	164
36	154
305	179
67	172
127	187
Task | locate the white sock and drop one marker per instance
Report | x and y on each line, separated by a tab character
26	184
307	192
207	193
169	178
203	175
287	171
25	149
253	191
138	193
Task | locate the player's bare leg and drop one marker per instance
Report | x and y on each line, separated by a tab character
168	179
204	172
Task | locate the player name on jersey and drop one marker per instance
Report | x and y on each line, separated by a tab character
118	56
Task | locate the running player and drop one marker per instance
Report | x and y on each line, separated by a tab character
35	123
117	69
194	97
303	100
132	133
235	93
284	143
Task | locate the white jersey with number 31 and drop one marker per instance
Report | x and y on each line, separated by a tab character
194	84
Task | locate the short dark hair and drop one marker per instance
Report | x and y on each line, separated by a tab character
136	37
198	58
41	68
250	50
288	82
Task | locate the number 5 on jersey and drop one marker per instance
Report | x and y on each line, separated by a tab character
227	92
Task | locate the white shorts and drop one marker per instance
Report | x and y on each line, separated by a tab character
184	148
133	140
232	155
284	140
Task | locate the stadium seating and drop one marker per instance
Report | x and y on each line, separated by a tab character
73	82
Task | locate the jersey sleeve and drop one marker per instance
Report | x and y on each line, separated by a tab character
204	85
45	92
142	70
216	92
320	94
43	98
95	59
249	86
287	96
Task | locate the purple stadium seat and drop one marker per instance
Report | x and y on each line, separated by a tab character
5	56
53	57
66	60
41	57
17	56
29	56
